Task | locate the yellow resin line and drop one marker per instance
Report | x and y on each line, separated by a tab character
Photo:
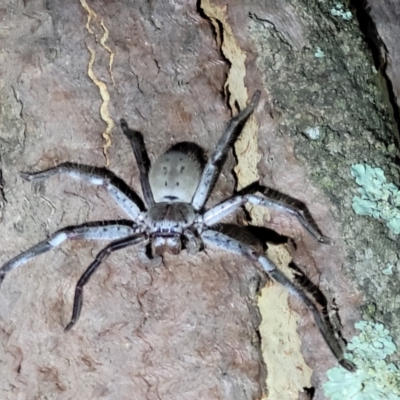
104	111
103	41
104	94
91	14
246	147
282	324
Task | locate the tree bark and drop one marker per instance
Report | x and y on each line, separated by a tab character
177	71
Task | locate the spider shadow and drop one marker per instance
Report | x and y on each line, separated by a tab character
258	237
280	201
329	315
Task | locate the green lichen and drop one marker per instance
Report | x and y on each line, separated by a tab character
378	198
374	379
319	53
339	11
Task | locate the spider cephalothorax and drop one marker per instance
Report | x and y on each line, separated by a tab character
175	190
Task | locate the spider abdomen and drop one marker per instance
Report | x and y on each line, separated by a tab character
174	177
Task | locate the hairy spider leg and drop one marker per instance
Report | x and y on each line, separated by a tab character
97	231
93	176
101	256
217	159
227	207
217	239
142	160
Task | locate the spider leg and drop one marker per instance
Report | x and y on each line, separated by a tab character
142	159
118	190
217	239
101	256
217	159
267	199
97	231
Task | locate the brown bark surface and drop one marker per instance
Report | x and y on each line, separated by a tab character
176	71
185	330
383	30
